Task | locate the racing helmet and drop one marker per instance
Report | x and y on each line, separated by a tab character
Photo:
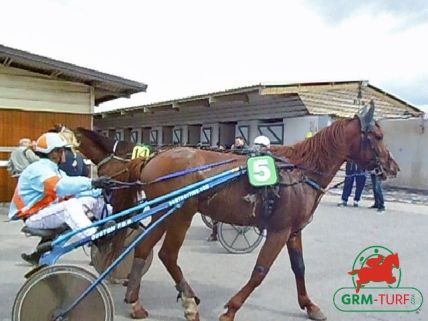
48	142
309	134
262	141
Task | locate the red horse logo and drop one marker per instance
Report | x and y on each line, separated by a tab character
378	269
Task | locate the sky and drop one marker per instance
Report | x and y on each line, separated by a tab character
183	48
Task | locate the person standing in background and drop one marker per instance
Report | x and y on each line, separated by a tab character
377	193
21	157
353	172
239	145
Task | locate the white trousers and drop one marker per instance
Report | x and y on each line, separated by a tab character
72	212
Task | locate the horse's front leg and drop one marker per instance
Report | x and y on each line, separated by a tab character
142	251
272	246
168	254
295	251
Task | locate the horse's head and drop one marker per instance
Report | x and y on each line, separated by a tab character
395	260
367	147
103	150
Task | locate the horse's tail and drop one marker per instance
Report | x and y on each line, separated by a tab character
353	272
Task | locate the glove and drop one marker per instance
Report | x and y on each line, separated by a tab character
102	182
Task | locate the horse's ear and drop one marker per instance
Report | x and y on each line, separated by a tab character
366	117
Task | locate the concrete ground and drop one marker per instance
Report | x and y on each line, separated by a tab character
331	242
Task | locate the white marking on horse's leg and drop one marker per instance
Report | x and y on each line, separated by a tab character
190	308
188	300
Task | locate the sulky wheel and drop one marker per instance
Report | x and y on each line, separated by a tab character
100	256
207	221
52	289
239	239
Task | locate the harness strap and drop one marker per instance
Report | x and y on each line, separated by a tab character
110	157
293	183
115	146
313	184
269	195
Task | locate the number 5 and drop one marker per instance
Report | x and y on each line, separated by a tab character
262	171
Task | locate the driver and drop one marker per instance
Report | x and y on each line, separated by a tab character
45	197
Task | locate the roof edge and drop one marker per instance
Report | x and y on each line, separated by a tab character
57	64
263	88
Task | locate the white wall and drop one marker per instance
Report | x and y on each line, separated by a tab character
20	89
295	129
407	139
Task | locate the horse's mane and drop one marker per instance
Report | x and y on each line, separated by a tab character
319	152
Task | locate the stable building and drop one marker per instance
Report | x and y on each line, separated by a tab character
284	113
37	92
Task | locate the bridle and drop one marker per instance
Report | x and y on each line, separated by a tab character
366	143
112	156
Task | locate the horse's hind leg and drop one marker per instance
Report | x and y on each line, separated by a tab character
272	246
142	251
295	251
168	254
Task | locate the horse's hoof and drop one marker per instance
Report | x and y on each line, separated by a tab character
316	314
190	309
197	317
138	312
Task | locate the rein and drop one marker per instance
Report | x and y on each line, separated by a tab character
112	156
121	184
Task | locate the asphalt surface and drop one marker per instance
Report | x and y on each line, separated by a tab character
331	242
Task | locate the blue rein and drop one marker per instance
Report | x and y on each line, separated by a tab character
191	170
172	175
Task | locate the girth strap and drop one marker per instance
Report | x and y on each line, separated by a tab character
269	196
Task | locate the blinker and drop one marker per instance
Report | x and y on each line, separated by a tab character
365	115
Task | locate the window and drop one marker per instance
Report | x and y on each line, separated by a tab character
154	133
119	135
135	136
206	136
244	131
275	132
177	136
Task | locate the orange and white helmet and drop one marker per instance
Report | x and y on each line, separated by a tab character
48	142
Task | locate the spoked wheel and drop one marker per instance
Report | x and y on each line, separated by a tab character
239	239
207	220
100	258
52	289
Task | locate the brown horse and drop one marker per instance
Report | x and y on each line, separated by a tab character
359	139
